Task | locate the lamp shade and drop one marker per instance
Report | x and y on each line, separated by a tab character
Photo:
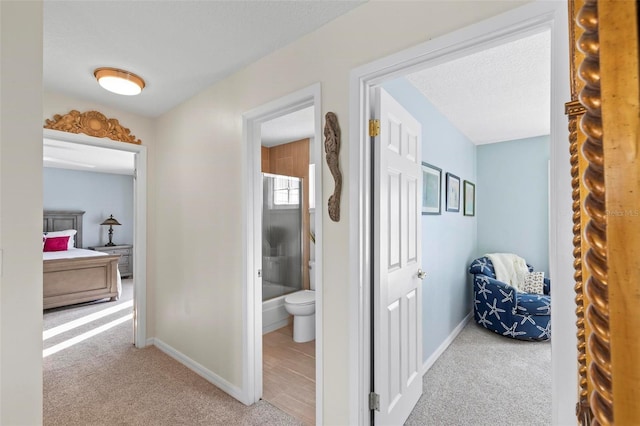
110	221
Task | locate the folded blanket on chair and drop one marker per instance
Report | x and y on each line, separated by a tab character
509	268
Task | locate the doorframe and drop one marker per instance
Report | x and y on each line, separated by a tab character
517	23
252	238
139	225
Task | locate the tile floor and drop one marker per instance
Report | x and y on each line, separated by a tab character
289	374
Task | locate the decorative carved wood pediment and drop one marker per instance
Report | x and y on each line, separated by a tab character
92	123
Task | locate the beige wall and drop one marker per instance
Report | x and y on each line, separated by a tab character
21	213
199	193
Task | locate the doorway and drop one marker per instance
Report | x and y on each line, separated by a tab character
138	249
501	155
274	269
509	26
288	343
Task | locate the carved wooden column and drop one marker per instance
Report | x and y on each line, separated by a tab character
595	258
575	110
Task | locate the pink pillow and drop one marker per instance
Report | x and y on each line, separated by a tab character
66	233
56	244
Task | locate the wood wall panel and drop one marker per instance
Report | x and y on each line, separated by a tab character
266	165
292	159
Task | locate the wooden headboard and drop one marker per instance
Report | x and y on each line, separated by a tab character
60	220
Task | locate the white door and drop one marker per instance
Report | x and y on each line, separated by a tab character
397	256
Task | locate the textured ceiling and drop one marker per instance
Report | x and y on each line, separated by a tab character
497	95
178	47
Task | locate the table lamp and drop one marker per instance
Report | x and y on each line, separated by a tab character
110	221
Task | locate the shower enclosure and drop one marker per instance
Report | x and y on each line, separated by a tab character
281	235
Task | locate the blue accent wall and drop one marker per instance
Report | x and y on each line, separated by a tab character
448	239
99	195
513	199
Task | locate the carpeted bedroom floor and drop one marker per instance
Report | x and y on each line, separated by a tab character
484	378
481	379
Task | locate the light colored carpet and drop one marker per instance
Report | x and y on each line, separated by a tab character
487	379
105	380
481	379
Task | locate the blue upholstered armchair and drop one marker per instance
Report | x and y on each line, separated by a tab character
506	310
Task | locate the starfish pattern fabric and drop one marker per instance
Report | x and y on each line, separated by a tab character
503	309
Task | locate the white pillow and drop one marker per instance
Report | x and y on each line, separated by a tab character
534	283
69	232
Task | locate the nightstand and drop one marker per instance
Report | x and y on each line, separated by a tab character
125	264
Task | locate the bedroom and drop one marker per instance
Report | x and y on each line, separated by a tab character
90	191
501	151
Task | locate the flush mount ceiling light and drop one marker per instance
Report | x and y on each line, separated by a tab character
119	81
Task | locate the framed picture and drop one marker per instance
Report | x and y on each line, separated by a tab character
469	194
453	193
431	177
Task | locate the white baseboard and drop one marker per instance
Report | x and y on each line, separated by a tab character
444	345
199	369
150	341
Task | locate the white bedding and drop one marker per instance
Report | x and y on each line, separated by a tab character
76	252
70	254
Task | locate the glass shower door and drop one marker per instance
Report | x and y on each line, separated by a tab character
281	235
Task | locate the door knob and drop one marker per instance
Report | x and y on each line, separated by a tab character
422	274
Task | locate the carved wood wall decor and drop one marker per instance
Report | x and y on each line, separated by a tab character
332	150
92	123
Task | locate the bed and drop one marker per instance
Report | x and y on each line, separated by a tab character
76	275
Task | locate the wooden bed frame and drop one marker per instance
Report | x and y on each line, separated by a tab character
77	280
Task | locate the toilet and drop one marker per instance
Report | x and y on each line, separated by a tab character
302	305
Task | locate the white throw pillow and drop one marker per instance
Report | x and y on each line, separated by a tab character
69	232
534	283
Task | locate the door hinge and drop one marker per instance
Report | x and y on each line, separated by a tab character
374	401
259	273
374	127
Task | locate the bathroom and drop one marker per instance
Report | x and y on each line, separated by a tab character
288	262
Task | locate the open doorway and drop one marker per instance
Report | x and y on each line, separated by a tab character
527	21
88	285
76	199
498	156
284	248
288	264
